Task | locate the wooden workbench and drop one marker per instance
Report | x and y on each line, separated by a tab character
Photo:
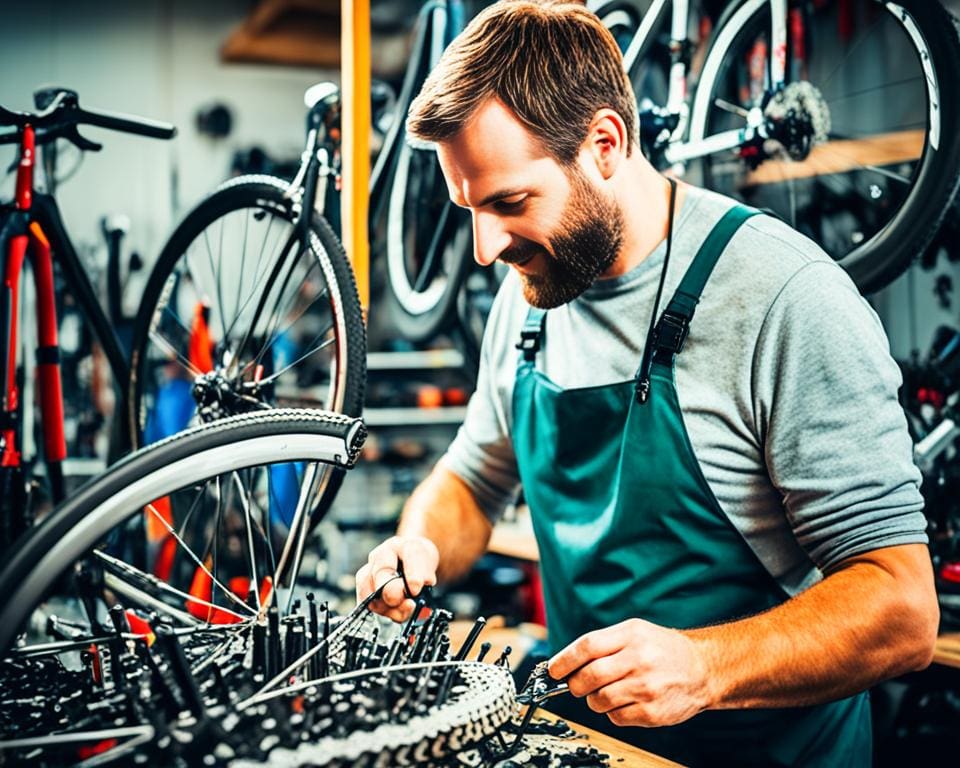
521	639
620	754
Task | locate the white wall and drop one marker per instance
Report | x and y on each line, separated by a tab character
156	58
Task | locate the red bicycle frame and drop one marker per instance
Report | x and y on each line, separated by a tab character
28	241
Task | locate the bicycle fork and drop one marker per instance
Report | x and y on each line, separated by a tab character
22	239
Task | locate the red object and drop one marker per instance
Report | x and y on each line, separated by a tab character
96	749
48	366
933	397
95	664
951	572
28	156
141	627
11	283
200	351
455	396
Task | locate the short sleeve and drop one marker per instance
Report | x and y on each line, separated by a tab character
835	437
482	452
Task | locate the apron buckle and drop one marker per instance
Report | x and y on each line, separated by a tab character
671	333
529	343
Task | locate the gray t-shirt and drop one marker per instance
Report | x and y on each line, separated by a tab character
786	383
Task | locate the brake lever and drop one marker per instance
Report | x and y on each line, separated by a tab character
540	686
81	142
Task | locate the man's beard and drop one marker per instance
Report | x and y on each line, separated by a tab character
585	247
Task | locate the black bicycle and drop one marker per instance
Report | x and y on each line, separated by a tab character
252	305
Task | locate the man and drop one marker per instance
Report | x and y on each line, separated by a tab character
730	529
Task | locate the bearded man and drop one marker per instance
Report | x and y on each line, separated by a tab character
730	529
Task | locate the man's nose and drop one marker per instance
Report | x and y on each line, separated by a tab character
490	238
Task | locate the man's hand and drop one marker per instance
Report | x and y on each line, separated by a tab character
636	672
420	560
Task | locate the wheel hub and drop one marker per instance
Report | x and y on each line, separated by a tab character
798	118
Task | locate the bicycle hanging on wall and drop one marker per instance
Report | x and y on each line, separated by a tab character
837	115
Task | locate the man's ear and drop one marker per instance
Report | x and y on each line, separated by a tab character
606	141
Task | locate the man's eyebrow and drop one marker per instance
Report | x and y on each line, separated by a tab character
500	194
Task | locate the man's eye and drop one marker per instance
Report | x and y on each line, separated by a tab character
509	206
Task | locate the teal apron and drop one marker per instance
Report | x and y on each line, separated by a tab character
627	526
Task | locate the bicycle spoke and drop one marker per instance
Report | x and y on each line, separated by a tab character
193	506
274	376
873	89
165	346
276	336
123	571
867	167
216	276
254	291
275	316
254	577
193	556
243	264
825	81
263	293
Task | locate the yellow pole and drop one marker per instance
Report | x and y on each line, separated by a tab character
355	85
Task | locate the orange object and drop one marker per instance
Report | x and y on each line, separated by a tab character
266	589
429	396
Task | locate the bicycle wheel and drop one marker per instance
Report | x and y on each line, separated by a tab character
73	572
216	484
863	156
242	312
428	245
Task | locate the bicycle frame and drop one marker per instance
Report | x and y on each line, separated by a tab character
677	108
34	230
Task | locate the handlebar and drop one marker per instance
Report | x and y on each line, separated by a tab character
64	114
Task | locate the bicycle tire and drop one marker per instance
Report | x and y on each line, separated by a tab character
231	445
422	308
267	197
890	251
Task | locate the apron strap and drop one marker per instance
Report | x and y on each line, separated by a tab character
674	324
532	333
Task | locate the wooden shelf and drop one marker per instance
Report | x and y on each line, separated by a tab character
302	33
842	156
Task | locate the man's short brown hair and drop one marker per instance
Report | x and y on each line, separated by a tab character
553	64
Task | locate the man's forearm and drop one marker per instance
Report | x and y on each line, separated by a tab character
443	509
874	618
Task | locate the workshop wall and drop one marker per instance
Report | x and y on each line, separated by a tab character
159	59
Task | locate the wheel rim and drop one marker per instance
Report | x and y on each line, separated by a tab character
248	318
417	203
848	190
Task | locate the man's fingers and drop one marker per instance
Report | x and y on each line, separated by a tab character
583	650
365	583
398	614
621	693
420	560
598	674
